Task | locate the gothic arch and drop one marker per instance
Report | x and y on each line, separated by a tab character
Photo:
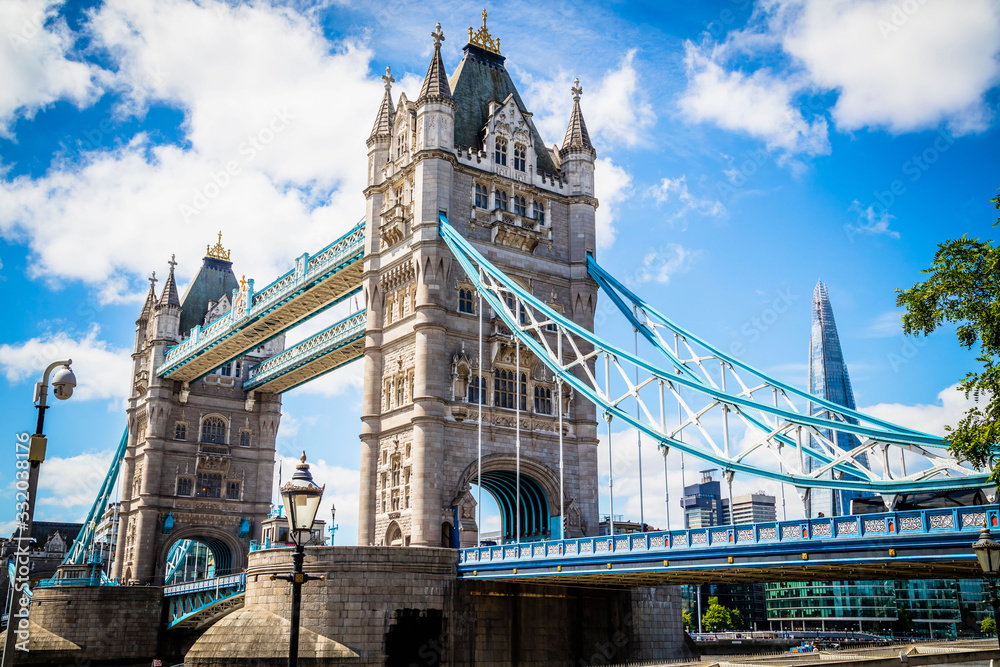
393	534
228	552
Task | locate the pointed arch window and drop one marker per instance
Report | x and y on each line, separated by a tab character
503	389
465	301
543	400
500	200
520	205
538	211
520	157
482	196
213	430
477	390
500	151
209	485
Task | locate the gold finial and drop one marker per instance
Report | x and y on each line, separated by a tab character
243	283
217	251
483	40
303	457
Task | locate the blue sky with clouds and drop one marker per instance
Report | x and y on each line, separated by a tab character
746	150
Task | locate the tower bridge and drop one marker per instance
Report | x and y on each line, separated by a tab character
476	263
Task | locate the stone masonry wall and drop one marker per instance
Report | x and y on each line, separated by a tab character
405	606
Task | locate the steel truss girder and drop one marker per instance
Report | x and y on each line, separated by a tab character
335	346
570	352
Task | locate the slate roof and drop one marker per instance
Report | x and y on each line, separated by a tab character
479	79
214	279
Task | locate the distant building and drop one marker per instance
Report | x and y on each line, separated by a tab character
106	533
622	527
753	508
49	542
703	503
829	379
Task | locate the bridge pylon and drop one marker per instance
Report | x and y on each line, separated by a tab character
467	147
200	456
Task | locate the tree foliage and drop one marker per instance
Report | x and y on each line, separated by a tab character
688	619
963	288
719	618
988	626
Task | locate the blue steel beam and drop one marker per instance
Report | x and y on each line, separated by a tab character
912	544
774	424
328	350
198	604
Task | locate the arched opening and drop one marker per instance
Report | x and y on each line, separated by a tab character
447	536
394	535
534	506
197	558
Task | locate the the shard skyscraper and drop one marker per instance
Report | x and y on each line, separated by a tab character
828	378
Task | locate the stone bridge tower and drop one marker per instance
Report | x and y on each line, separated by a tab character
467	147
200	456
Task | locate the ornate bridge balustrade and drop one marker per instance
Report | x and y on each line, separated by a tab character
316	283
909	544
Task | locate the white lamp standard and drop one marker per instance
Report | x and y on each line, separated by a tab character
63	383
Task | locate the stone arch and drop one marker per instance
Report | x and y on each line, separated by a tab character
393	535
230	556
539	491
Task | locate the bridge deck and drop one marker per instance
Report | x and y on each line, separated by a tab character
316	283
894	545
328	350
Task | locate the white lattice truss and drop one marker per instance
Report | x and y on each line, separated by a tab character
730	415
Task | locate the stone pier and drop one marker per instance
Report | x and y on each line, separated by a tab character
405	606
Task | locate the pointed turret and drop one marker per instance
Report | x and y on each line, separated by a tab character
436	81
169	296
386	113
147	307
577	137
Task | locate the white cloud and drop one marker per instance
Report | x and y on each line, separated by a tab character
899	66
342	489
271	142
74	481
928	418
659	265
612	185
759	104
102	371
871	223
886	325
677	188
615	109
33	58
903	66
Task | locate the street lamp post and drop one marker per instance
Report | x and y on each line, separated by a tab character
63	383
333	523
988	553
301	497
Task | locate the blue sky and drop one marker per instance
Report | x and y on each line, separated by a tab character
746	150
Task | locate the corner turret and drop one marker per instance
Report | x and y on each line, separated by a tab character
168	310
436	107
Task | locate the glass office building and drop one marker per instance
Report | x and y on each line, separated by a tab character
829	379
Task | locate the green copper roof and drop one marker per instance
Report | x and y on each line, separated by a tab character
214	278
480	79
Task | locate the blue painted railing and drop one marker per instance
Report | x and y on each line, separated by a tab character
344	251
827	529
344	332
227	581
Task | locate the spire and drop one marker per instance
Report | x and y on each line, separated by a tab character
169	296
576	133
383	122
147	307
436	81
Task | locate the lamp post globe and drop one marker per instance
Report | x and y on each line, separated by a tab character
301	497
